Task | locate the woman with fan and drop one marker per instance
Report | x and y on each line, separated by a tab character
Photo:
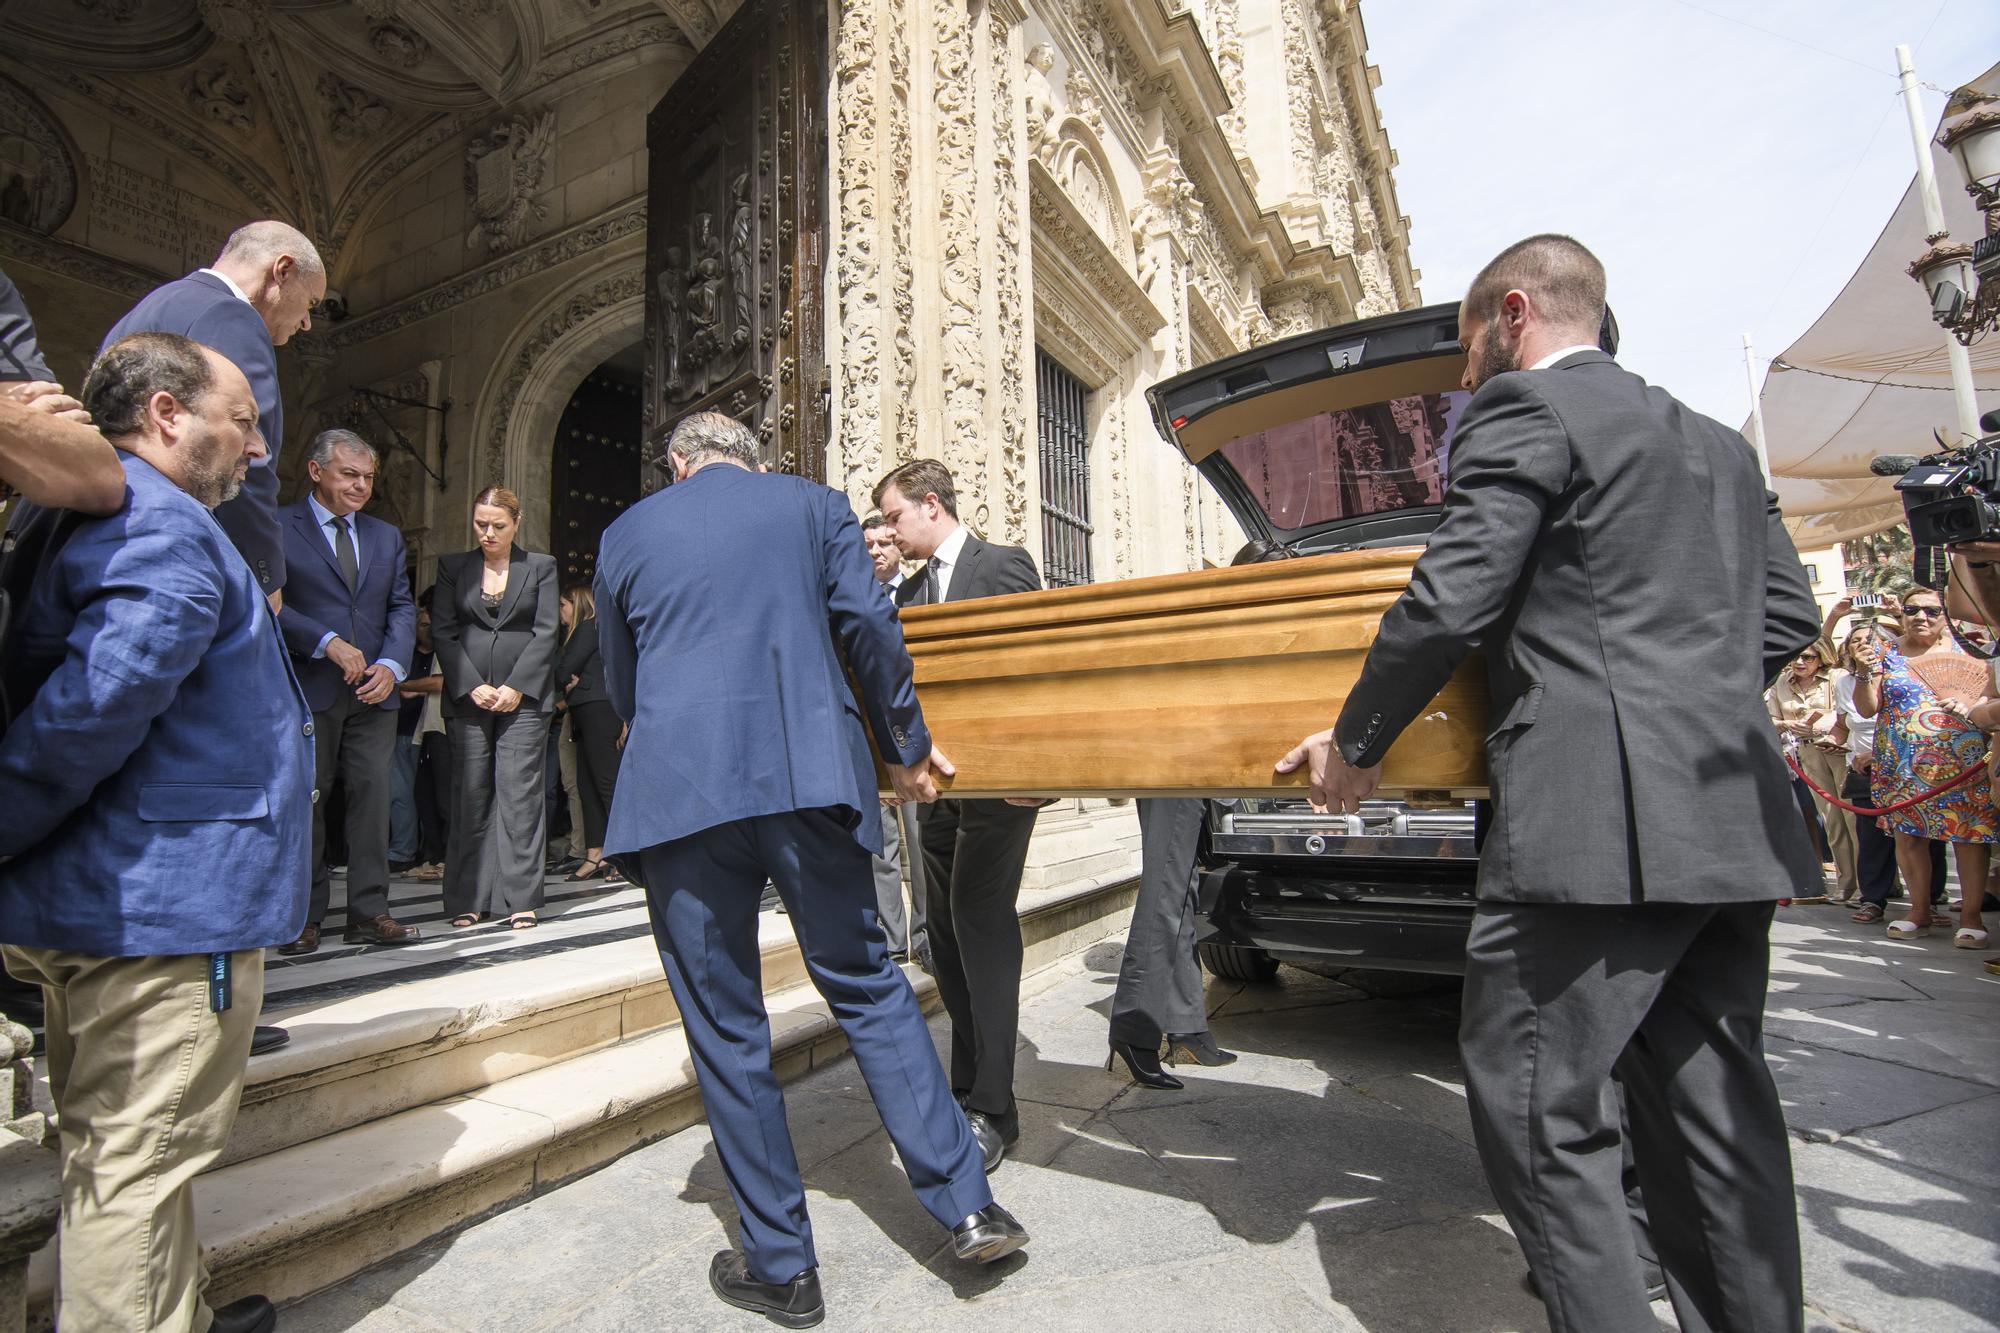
1921	695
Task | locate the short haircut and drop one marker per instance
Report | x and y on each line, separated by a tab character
133	369
260	243
327	441
874	520
1562	278
916	479
713	435
500	498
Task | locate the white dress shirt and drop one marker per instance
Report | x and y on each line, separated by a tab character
1560	353
944	560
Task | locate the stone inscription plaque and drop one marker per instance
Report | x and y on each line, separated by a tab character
144	218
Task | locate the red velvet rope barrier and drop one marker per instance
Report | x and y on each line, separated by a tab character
1918	799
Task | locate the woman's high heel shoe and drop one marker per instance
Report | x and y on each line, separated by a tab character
1197	1048
1144	1066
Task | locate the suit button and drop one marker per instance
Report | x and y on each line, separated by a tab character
901	737
315	800
1376	718
309	728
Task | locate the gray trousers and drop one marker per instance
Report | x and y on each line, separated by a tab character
905	930
499	812
1159	983
356	741
1670	997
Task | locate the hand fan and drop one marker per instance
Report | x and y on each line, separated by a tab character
1953	676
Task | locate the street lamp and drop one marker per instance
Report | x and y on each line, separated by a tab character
1963	281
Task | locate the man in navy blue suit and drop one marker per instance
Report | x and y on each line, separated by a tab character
260	291
156	789
350	624
731	607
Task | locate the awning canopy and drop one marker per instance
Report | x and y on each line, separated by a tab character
1871	377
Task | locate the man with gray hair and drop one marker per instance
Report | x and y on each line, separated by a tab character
731	608
260	291
350	624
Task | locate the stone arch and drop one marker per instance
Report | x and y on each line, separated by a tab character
568	338
1083	170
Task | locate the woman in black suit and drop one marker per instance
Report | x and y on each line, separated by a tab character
494	621
594	726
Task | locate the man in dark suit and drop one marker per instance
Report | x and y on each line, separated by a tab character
974	851
260	291
907	936
731	608
1632	586
350	624
156	790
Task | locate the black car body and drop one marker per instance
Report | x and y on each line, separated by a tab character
1331	441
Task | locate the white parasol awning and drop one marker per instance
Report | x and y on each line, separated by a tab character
1871	377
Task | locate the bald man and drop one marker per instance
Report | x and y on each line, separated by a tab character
260	291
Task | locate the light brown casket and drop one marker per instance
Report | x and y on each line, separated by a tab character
1181	684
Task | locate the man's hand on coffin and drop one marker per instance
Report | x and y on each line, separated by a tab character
918	781
1336	785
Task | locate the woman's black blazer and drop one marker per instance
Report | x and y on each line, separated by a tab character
513	644
579	658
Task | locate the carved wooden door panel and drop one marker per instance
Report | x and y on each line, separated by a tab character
735	207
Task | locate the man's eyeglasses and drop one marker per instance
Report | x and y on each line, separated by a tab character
1925	611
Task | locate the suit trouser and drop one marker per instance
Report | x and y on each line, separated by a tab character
703	891
889	882
357	742
566	751
146	1083
1830	771
1159	982
403	834
434	779
499	812
595	726
974	853
1672	996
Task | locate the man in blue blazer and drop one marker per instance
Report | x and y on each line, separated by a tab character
730	608
157	788
350	624
260	291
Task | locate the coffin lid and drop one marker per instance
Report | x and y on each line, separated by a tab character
1293	408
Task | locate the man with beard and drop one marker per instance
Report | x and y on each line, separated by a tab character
157	788
1606	546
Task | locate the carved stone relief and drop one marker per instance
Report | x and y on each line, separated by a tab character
504	168
962	357
1011	257
217	94
902	252
37	173
570	315
1040	98
398	45
109	11
240	21
857	112
353	114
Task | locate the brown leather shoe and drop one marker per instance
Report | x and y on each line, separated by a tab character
307	942
384	929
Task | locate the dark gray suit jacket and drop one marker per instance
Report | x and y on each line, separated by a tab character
514	644
1634	590
984	570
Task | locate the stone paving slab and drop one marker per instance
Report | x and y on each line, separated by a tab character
1327	1180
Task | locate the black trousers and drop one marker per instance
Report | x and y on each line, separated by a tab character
1159	982
596	729
1669	998
433	797
974	853
356	742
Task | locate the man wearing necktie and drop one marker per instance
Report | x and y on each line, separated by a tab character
907	936
350	624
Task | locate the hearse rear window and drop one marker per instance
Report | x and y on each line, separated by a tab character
1352	462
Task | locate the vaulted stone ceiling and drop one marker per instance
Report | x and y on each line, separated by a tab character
312	109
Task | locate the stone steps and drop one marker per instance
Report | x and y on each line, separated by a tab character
401	1113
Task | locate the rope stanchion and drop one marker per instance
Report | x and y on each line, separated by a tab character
1866	813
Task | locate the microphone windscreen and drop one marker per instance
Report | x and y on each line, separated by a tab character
1892	465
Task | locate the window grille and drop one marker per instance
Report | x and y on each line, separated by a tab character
1064	429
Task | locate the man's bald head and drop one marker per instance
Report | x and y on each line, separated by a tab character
279	270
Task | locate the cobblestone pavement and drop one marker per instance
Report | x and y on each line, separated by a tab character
1327	1180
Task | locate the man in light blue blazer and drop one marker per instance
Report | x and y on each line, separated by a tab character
157	786
351	625
731	608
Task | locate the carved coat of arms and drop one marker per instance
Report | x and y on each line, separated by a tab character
504	168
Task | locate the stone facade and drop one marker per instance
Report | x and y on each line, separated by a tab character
1132	186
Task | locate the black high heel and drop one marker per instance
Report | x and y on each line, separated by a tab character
1143	1065
1197	1048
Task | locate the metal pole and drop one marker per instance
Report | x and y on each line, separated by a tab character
1756	409
1934	228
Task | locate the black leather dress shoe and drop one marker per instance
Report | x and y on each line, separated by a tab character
989	1234
795	1304
264	1040
252	1314
993	1135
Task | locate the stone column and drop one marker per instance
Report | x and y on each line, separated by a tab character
1010	409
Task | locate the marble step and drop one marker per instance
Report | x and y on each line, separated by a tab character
563	1064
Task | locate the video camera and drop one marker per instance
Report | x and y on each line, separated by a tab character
1952	497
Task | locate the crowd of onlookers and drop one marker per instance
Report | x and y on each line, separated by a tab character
1887	734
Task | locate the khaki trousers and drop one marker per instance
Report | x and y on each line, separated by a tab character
566	763
1830	771
146	1082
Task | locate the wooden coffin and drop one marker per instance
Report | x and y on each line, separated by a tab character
1182	684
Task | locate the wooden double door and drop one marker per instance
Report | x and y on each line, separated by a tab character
736	208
